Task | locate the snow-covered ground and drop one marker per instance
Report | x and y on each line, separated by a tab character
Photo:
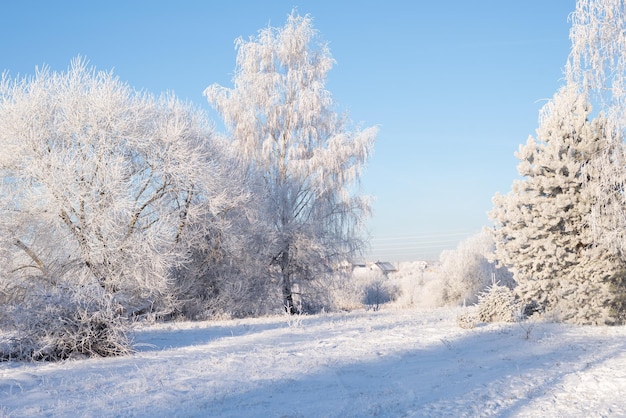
391	363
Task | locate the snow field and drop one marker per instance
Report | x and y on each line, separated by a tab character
391	363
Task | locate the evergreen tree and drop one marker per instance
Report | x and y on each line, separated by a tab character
542	228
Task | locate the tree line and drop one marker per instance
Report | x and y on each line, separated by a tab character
118	204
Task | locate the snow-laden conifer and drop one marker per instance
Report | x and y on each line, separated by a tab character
542	226
496	304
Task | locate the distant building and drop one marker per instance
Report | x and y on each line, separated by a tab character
347	266
360	268
384	267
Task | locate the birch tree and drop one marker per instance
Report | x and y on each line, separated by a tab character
597	67
282	122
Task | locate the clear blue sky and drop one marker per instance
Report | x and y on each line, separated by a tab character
455	86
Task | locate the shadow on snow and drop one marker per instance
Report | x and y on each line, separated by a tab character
487	371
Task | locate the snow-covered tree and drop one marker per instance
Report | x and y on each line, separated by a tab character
228	272
467	271
597	60
102	185
597	67
283	124
542	231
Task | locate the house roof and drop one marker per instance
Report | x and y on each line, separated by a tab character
385	266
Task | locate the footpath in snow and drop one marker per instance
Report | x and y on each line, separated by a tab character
394	363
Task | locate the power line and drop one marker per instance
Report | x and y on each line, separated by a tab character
422	243
417	241
424	236
414	246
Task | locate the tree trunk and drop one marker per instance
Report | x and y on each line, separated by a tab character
287	293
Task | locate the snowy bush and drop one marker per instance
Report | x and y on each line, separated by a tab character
362	287
467	271
347	290
228	279
61	324
468	319
496	304
378	292
412	282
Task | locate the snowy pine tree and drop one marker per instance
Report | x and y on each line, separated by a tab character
542	227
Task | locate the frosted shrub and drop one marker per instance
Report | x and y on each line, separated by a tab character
378	292
347	291
467	271
362	288
216	288
57	325
468	319
294	320
496	304
410	282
